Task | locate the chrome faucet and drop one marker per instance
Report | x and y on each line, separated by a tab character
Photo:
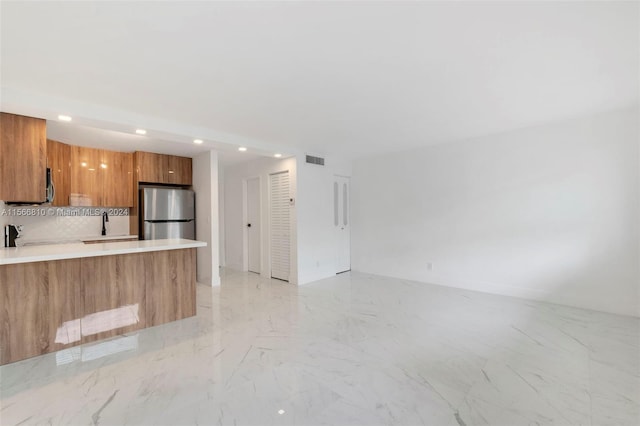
105	218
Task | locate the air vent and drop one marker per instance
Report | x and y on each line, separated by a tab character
315	160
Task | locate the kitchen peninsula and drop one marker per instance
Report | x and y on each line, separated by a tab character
56	296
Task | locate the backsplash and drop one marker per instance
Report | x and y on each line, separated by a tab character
45	225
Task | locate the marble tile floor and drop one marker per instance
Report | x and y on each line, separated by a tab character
356	349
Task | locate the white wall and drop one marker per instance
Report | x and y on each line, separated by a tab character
548	213
234	229
205	184
316	234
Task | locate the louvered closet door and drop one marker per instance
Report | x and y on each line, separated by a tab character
279	227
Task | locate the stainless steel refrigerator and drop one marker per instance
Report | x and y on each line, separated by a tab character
167	213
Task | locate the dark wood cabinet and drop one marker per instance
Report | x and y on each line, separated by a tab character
23	150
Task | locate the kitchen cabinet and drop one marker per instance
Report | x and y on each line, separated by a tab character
179	171
151	167
42	307
170	278
56	304
117	178
117	299
86	179
23	162
59	161
160	168
101	178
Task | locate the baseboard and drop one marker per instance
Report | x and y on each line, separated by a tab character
525	293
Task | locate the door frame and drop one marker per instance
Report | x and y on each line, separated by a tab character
245	218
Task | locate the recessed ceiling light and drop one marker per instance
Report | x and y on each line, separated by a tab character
197	141
277	155
83	164
280	411
141	131
64	118
242	148
104	166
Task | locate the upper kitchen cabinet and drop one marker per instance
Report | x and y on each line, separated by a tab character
117	175
86	178
59	161
101	178
179	171
159	168
23	161
152	167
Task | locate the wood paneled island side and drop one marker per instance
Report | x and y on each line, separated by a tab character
52	304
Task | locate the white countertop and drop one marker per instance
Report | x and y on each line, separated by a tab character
12	255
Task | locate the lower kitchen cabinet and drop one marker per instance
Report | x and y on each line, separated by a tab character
52	305
166	284
115	303
41	307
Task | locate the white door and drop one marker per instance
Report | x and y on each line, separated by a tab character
342	223
253	225
279	228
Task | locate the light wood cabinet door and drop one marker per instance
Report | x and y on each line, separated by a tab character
41	308
86	177
23	145
115	303
160	168
59	161
179	171
170	285
65	304
151	167
117	177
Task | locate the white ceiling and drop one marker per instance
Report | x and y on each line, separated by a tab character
330	77
74	134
